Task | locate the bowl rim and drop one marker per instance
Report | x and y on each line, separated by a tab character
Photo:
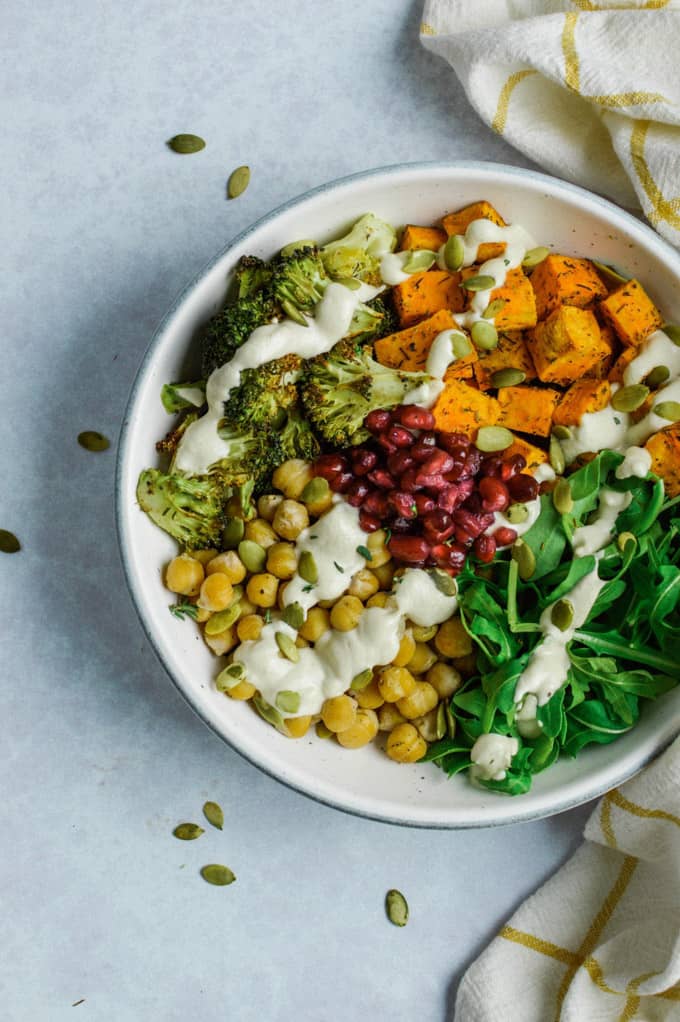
611	777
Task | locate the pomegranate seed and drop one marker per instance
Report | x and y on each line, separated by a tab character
438	463
415	417
363	460
512	465
376	503
505	536
368	522
403	503
410	549
484	548
473	462
329	465
463	536
402	525
437	526
523	487
466	487
453	442
399	462
379	477
471	523
357	493
409	481
424	503
433	483
377	420
494	494
491	465
547	486
440	554
400	436
457	557
341	482
421	451
447	500
386	443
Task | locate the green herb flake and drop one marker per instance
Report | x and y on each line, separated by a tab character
183	610
338	567
364	552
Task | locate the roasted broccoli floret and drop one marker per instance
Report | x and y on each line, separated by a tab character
298	281
190	508
295	436
341	387
359	252
231	327
264	394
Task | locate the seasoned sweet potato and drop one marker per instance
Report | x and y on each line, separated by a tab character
631	312
425	293
664	448
457	223
623	361
602	369
565	280
527	409
519	310
462	408
415	237
409	348
535	456
512	353
566	345
583	396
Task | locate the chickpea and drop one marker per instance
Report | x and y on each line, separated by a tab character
262	589
370	698
267	505
389	717
261	532
427	725
444	678
364	584
467	665
184	575
229	564
395	683
452	640
339	713
297	727
326	604
379	600
204	556
291	477
282	560
405	744
245	606
407	648
316	623
202	615
422	660
421	700
300	642
423	633
249	628
243	691
216	592
363	730
280	599
384	574
290	519
346	613
376	543
223	642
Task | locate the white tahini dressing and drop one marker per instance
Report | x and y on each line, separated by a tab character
590	538
652	422
637	461
491	756
439	358
392	269
657	350
201	445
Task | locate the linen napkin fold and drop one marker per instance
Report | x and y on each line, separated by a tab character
591	91
600	941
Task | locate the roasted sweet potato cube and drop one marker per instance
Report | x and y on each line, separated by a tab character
519	310
461	369
527	409
565	280
425	293
566	345
512	353
583	396
623	361
409	348
415	237
602	369
462	408
457	223
664	448
534	456
631	312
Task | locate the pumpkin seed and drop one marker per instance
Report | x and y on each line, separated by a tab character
517	513
307	568
673	332
420	260
493	438
460	345
627	399
252	554
297	246
562	498
610	272
440	723
556	454
535	256
444	582
315	490
286	701
287	647
454	252
268	713
493	308
668	410
657	376
9	544
526	562
91	440
230	677
623	539
361	680
186	144
562	432
219	876
562	614
222	620
239	180
188	831
480	282
424	633
507	378
213	814
484	335
322	731
293	615
450	722
232	533
294	313
349	282
396	907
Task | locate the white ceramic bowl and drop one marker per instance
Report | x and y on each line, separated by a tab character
366	781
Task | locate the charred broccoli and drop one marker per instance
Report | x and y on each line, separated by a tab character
190	508
264	394
359	252
341	387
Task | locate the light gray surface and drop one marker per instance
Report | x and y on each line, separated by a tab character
102	226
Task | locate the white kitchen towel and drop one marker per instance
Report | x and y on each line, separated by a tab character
591	91
600	941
